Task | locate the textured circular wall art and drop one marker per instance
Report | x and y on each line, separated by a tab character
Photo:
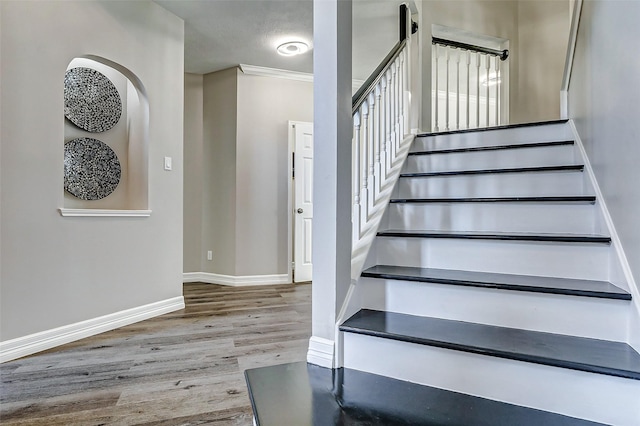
91	169
91	101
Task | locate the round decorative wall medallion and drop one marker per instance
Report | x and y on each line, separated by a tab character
91	169
91	101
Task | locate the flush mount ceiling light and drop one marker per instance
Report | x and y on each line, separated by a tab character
292	48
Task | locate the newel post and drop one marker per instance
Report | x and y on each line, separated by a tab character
333	132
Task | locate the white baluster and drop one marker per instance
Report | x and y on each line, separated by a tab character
446	120
394	110
364	192
468	88
478	59
488	65
378	139
371	146
406	82
355	218
402	86
457	89
437	94
396	67
497	92
384	111
389	114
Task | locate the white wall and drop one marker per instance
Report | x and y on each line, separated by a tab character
193	162
603	102
55	270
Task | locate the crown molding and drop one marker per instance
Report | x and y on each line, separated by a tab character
286	74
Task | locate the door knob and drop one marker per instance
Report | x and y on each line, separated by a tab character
300	211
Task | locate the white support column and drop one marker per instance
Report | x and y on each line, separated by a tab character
333	130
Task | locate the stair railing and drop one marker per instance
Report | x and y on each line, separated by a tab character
381	109
471	98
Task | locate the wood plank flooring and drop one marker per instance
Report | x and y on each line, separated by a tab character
182	368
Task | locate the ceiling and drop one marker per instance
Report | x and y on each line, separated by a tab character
224	33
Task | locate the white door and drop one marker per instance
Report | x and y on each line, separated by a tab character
303	201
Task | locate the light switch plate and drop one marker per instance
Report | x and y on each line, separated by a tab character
167	163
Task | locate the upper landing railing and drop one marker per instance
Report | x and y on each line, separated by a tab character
467	82
381	109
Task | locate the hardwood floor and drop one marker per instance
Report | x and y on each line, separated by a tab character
182	368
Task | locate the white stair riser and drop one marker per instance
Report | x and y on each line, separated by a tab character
561	314
499	217
550	133
595	397
530	157
563	260
493	185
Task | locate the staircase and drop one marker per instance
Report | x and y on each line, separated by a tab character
489	276
485	298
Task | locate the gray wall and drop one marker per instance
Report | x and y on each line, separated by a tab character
239	171
193	128
219	172
543	33
265	105
603	102
55	270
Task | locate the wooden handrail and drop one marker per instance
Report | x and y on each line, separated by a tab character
371	82
502	54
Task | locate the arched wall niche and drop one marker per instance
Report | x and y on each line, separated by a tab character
129	139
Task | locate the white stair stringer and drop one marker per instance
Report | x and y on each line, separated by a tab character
547	259
591	396
492	159
553	313
533	217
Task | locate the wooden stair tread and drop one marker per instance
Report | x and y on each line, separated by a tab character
589	199
551	285
565	168
577	353
492	148
303	394
503	236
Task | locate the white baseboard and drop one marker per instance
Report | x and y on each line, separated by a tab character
28	345
320	352
233	280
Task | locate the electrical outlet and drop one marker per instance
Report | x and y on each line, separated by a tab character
209	255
